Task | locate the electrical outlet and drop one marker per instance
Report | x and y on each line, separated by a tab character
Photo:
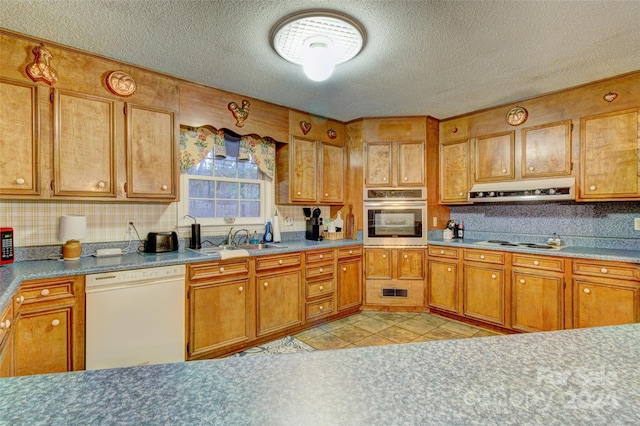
636	223
435	221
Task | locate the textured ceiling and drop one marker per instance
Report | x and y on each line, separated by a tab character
438	58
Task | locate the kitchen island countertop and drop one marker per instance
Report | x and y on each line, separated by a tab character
584	376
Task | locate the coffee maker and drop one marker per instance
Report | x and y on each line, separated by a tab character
314	224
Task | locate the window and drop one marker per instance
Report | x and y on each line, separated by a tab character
217	188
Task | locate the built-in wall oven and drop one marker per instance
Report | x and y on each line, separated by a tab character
395	217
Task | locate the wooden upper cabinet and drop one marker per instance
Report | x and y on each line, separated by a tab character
454	172
84	145
411	163
19	138
546	150
495	157
609	156
378	164
394	164
304	159
152	153
332	161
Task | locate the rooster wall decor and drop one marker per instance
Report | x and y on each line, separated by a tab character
40	69
240	114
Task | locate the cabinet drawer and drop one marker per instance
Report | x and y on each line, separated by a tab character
319	256
441	251
320	308
538	262
50	290
277	261
484	256
319	270
349	251
606	269
318	288
199	271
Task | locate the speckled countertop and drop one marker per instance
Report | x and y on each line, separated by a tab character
632	256
12	275
584	376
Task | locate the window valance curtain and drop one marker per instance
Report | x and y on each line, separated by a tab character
197	142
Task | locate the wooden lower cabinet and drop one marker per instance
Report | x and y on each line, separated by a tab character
320	279
7	324
443	285
49	330
484	293
349	283
598	302
537	302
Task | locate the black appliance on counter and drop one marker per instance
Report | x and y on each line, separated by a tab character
314	224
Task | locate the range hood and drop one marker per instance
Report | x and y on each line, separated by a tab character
558	189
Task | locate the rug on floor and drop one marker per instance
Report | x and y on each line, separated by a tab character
286	345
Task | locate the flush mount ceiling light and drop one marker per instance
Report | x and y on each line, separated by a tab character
318	40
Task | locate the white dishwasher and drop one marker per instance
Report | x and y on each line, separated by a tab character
135	317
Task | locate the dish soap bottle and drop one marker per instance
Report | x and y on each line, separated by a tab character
254	238
268	236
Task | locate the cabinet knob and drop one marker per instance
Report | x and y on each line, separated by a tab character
280	262
321	270
322	256
384	256
406	179
535	262
522	281
494	276
531	168
504	171
482	256
448	269
299	193
221	269
19	299
321	287
321	307
406	256
344	268
384	179
55	322
326	194
350	251
5	325
592	188
441	251
20	181
44	292
586	291
461	194
266	284
604	270
240	289
101	184
165	187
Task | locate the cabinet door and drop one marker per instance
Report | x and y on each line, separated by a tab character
598	304
6	356
43	341
609	156
495	157
410	264
546	150
536	302
349	283
454	172
411	156
377	263
483	293
378	164
303	178
152	153
278	301
19	138
332	158
218	315
443	285
84	145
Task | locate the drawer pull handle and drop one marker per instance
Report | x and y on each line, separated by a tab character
55	322
321	270
522	281
441	251
45	292
280	262
20	181
221	269
240	289
266	284
19	299
535	262
494	276
448	269
321	307
350	251
587	291
604	270
321	288
406	256
5	325
322	256
344	268
482	256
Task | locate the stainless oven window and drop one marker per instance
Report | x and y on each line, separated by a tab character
395	223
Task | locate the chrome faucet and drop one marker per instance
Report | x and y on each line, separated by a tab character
232	236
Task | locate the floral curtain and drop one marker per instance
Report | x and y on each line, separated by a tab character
197	142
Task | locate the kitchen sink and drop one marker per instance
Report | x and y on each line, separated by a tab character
218	249
260	246
212	250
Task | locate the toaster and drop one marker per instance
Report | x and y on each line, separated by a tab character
161	242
